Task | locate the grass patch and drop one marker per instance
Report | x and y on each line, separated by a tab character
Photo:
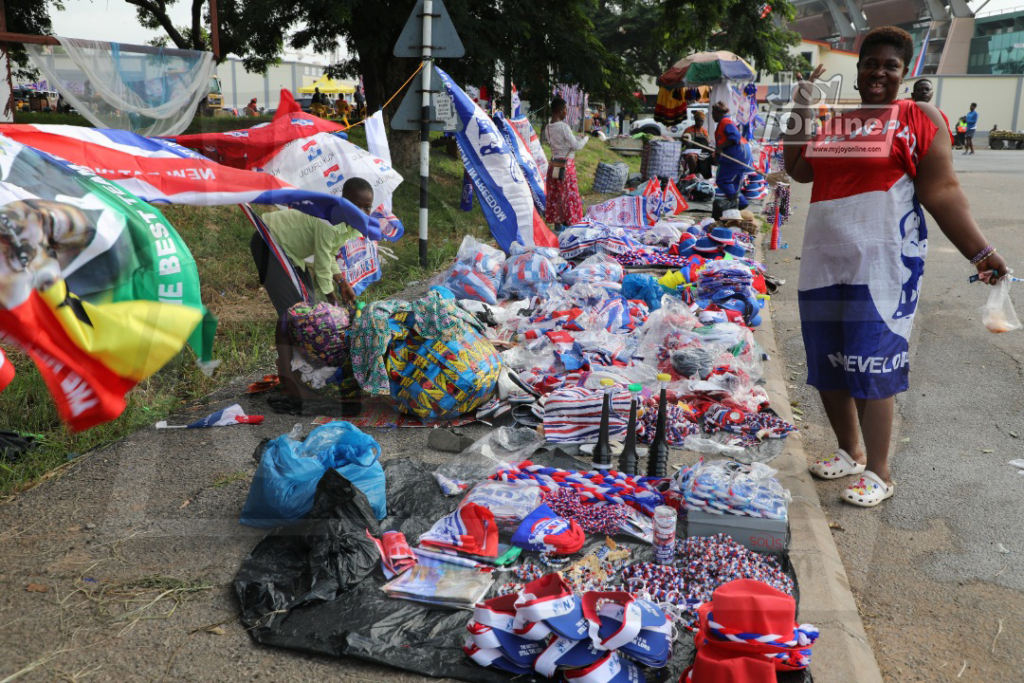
142	599
219	240
227	479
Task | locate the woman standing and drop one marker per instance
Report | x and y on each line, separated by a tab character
873	169
564	205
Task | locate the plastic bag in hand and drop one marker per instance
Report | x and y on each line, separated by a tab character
998	313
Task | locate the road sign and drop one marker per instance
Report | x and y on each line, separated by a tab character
410	111
445	41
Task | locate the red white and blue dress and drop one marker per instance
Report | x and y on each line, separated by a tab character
864	250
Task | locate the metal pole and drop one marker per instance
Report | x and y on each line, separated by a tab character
428	9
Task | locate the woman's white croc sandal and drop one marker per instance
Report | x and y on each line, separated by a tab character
868	491
840	464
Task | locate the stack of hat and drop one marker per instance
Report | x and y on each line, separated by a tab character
747	633
718	242
593	638
728	285
755	187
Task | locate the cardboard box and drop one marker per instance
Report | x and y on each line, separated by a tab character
755	533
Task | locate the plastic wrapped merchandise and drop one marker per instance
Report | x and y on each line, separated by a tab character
509	501
477	273
998	313
501	448
673	316
599	269
662	233
527	274
282	488
724	486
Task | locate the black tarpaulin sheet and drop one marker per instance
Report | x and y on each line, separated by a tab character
299	587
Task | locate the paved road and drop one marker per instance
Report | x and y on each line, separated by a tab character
928	567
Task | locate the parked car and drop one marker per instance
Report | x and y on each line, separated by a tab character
652	127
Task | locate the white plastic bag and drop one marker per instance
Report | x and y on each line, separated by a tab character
998	313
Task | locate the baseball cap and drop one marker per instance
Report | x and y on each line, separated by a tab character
609	669
551	600
566	653
651	645
519	651
493	657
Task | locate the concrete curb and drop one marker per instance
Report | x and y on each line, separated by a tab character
843	653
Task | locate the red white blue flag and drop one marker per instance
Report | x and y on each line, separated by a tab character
162	172
498	179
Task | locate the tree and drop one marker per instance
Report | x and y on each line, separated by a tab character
32	17
651	35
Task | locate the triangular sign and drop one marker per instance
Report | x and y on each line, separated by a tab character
410	111
445	42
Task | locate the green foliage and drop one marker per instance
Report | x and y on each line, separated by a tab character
28	16
651	35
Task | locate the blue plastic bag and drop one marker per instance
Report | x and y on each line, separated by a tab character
283	486
644	287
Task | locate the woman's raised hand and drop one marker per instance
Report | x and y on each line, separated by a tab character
805	88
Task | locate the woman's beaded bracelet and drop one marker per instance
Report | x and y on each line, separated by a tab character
983	254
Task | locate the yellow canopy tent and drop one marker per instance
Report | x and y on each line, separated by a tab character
328	86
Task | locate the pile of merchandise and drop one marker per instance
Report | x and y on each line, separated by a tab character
548	629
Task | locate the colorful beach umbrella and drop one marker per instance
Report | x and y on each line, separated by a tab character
705	68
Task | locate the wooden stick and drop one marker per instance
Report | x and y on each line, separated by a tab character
693	142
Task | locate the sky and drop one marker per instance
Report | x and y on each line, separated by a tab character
93	19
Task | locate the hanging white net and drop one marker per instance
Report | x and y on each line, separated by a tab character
147	90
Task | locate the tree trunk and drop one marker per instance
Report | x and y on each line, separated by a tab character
405	152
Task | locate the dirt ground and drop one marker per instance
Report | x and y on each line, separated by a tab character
121	569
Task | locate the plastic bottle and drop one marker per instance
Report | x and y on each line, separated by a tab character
603	449
629	459
657	459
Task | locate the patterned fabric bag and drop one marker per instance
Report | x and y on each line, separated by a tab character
319	332
437	379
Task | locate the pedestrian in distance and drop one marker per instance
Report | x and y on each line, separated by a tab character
971	118
922	91
864	251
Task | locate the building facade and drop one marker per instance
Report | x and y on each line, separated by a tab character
949	38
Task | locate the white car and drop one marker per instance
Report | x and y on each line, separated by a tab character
652	127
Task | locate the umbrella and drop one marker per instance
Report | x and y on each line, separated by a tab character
706	68
328	86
